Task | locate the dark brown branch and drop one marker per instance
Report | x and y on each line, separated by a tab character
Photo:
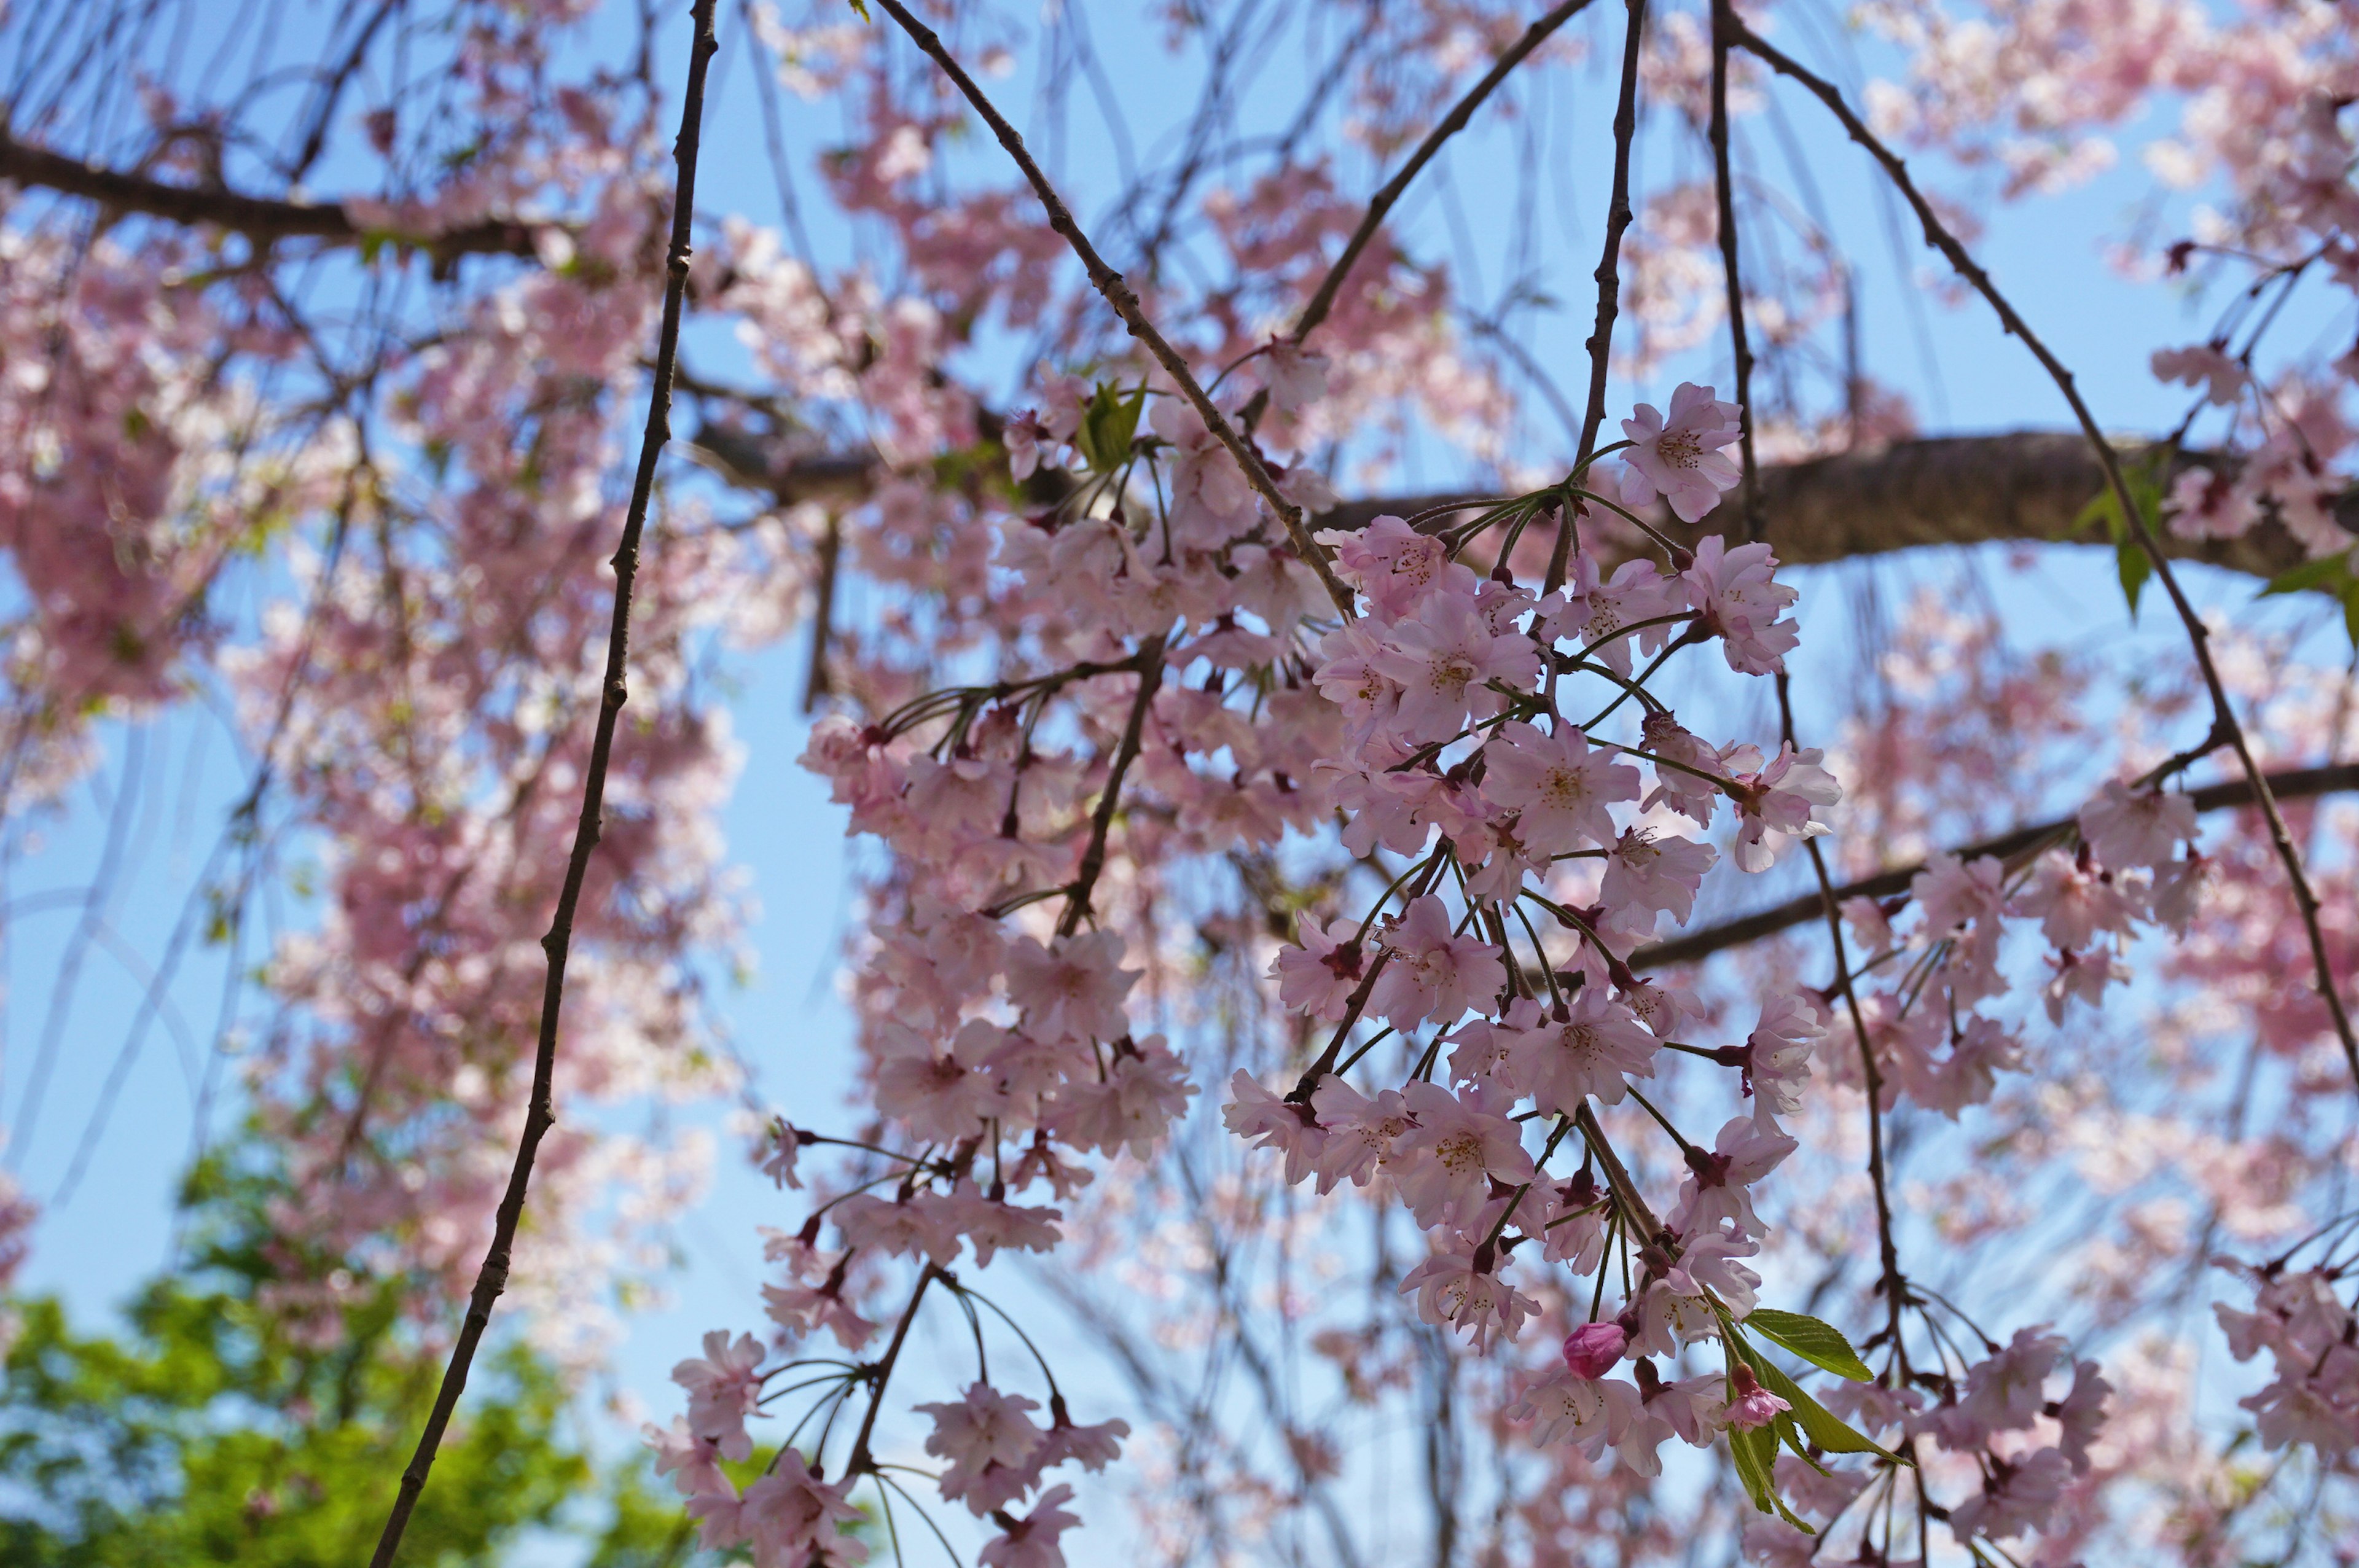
1085	880
492	1278
2295	783
1124	300
1608	284
2028	485
262	220
2223	712
1452	124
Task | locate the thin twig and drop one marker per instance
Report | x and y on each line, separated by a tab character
1756	523
2223	715
492	1278
1124	300
1381	204
1608	284
1150	680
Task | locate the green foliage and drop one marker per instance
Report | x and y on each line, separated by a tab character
1108	425
220	1428
2330	575
1806	1427
1820	1344
2144	481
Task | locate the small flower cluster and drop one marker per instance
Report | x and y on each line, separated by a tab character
2312	1338
2122	871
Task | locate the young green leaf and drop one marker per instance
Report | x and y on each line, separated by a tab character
2332	574
1820	1344
1108	425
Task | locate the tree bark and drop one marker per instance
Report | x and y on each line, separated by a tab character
2023	485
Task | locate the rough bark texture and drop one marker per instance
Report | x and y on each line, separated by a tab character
2028	485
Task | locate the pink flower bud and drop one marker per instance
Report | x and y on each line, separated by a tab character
1750	1404
1592	1349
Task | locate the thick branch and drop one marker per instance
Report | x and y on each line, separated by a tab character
2292	785
262	220
1952	490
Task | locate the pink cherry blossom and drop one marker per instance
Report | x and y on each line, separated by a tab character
1680	459
1559	786
1430	972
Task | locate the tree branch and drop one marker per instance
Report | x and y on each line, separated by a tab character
1124	300
1938	236
492	1278
262	220
1452	124
2294	784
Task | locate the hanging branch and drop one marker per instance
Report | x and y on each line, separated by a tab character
492	1278
1609	283
1323	300
1124	300
2223	715
1890	1282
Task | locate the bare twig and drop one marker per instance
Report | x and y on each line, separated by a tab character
1085	880
492	1278
1381	204
1609	283
2224	713
1124	300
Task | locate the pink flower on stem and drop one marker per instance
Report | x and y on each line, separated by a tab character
1598	612
2136	827
1680	459
1318	978
1450	1288
722	1385
2205	365
1783	797
1433	974
1750	1404
1445	660
1589	1053
1595	1348
1458	1148
1562	788
1269	1122
1739	600
1031	1542
790	1516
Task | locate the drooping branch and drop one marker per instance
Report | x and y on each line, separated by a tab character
1381	204
2295	783
540	1113
262	220
1125	303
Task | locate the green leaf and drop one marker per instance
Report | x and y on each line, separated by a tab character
1108	425
1820	1344
1756	1453
2131	561
2332	573
2101	510
862	6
